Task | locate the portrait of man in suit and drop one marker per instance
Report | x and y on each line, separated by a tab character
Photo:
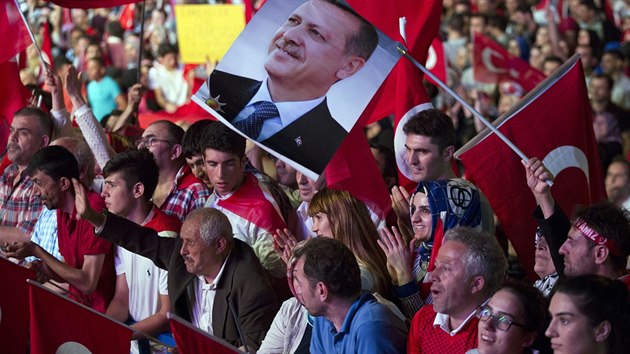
321	43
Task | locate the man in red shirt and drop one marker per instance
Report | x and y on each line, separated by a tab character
469	268
88	265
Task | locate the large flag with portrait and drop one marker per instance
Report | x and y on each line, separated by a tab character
294	85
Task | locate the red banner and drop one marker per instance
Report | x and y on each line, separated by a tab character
191	340
14	306
60	325
15	37
566	145
492	63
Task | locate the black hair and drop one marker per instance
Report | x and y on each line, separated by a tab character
54	161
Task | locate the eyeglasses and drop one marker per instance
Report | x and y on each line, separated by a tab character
501	322
149	141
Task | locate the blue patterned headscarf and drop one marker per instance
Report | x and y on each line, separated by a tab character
454	202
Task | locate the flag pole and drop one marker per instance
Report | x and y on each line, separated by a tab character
30	32
461	100
141	44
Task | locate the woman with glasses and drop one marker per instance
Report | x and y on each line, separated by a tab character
435	207
589	314
511	320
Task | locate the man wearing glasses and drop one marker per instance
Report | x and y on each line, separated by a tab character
178	191
470	267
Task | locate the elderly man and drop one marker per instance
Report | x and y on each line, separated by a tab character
470	267
209	272
320	43
327	282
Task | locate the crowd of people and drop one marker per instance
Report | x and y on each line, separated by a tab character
136	222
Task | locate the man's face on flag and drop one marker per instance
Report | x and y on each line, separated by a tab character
308	51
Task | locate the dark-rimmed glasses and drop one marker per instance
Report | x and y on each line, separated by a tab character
499	321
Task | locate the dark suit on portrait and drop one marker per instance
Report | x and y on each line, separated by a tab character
244	281
311	140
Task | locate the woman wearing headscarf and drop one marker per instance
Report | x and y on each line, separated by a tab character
435	207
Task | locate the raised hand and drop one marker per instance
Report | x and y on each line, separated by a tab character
84	211
284	243
537	175
399	255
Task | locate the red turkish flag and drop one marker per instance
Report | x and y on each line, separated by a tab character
253	202
553	123
492	63
14	306
127	15
402	93
91	4
191	340
436	61
13	96
15	37
60	325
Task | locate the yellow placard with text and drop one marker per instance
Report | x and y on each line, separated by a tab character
207	31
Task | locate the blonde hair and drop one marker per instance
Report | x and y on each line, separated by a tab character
351	225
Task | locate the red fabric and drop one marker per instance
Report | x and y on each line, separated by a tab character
13	96
250	203
91	4
436	61
192	341
162	222
127	16
14	306
15	37
353	168
403	89
427	339
492	63
76	239
58	323
559	117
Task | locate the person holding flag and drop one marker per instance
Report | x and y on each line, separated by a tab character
596	241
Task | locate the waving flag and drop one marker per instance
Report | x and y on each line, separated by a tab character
436	61
553	123
15	37
492	63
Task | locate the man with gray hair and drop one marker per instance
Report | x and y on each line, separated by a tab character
469	268
209	271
